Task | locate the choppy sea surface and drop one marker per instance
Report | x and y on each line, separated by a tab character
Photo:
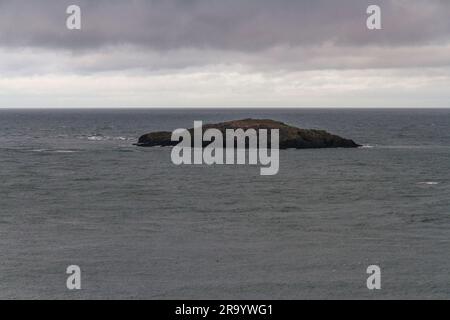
74	190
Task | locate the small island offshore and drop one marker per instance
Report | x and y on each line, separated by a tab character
290	137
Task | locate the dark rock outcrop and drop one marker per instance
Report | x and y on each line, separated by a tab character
290	137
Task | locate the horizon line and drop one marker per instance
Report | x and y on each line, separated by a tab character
215	107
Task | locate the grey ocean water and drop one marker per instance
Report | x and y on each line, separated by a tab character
74	190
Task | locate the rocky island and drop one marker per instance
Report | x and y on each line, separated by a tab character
290	137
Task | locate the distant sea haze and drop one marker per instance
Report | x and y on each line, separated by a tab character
76	191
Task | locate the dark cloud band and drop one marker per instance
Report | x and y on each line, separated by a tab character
248	25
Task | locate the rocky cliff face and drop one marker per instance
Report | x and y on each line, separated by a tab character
290	137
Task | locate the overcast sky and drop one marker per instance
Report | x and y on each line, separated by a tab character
299	53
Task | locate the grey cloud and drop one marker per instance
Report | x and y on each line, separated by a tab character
141	36
244	25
